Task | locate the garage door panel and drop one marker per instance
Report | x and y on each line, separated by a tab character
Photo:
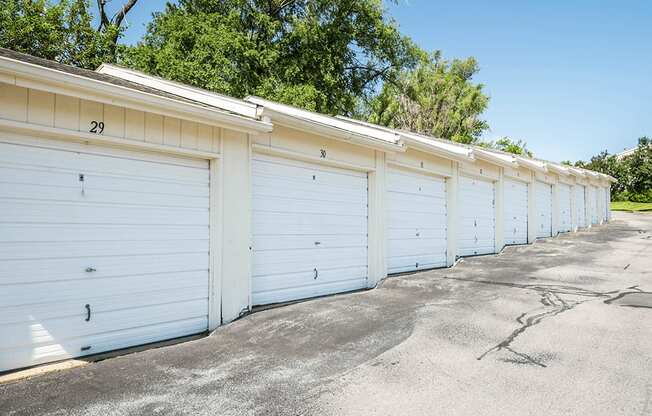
291	205
58	291
417	233
284	242
278	223
515	212
50	270
43	330
477	217
43	250
400	264
19	156
294	205
73	194
416	221
303	285
419	220
130	240
14	233
543	201
70	348
293	175
62	213
309	190
413	184
33	182
37	313
283	262
564	198
407	247
416	203
580	206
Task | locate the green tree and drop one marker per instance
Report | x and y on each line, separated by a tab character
638	171
608	164
517	147
436	98
61	31
322	55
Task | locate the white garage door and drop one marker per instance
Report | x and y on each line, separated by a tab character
602	199
543	201
477	217
99	250
416	221
565	216
309	230
580	206
516	210
593	204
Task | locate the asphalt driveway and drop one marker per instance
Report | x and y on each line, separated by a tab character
563	327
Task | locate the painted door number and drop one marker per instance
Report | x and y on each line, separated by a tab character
322	153
97	127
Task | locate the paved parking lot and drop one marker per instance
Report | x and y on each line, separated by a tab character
562	327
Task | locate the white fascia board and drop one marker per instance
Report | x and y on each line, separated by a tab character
532	164
422	143
52	79
499	159
437	148
328	126
577	172
559	169
196	94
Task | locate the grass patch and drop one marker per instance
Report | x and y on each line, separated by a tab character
631	206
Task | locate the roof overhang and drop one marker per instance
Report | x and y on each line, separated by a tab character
328	126
532	164
437	147
559	169
223	102
504	160
29	75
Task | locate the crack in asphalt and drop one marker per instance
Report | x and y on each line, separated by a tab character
548	299
553	305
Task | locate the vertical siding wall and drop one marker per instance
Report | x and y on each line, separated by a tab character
76	114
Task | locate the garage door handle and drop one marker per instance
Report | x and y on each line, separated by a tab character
90	270
88	312
316	274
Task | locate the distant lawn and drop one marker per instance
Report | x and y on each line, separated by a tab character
631	206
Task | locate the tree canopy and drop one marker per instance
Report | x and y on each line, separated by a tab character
436	98
61	31
321	55
633	172
332	56
517	147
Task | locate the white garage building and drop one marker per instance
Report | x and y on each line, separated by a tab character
137	209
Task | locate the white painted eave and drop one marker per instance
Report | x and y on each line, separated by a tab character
223	102
328	126
532	164
507	161
457	152
428	147
559	169
29	75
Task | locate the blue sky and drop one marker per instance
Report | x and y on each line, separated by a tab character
571	78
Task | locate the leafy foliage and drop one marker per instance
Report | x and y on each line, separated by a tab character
61	31
322	55
633	172
517	147
436	98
